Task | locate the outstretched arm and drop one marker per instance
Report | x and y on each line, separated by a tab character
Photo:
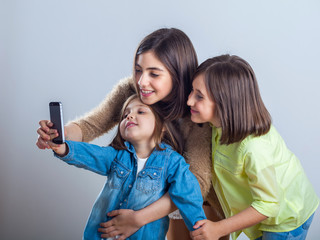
95	123
88	156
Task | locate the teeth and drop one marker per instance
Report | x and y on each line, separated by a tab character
146	91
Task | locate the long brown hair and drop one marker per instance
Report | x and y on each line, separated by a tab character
175	50
163	130
232	85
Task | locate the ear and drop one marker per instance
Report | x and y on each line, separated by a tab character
165	127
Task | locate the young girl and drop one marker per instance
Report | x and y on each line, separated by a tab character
140	169
260	184
164	63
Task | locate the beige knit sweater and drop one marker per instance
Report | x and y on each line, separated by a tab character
197	150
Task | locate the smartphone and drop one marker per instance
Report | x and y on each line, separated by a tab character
57	120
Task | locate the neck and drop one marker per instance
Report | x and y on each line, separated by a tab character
143	150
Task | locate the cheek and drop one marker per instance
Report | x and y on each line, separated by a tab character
165	85
166	88
122	128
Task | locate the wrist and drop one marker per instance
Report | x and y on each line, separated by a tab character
62	150
224	227
140	218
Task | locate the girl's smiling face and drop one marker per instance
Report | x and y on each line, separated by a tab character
153	78
202	108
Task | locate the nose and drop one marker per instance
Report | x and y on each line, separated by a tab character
143	81
130	116
190	101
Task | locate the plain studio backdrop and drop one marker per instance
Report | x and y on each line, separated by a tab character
76	51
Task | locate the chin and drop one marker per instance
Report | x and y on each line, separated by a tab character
195	120
148	101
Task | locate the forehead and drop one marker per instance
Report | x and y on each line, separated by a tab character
136	103
199	84
148	58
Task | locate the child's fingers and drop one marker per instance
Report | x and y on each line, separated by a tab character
106	224
53	145
122	237
41	143
43	133
45	125
114	213
196	234
199	224
56	147
107	230
111	234
54	134
49	123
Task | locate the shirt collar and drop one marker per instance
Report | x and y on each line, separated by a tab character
131	149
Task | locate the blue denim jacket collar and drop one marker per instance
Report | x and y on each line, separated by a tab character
131	149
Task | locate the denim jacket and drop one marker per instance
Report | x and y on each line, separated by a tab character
165	171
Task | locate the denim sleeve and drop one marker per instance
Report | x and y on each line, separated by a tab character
184	191
89	156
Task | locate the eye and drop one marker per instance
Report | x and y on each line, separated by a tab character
154	75
199	97
141	112
137	71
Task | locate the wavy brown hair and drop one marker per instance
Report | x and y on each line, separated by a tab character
232	85
175	50
163	131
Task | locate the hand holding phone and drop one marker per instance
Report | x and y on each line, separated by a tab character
56	118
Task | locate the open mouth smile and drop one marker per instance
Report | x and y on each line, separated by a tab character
146	93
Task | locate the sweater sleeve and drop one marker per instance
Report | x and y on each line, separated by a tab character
197	152
198	155
106	115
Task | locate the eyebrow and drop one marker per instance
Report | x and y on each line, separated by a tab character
197	90
150	68
140	105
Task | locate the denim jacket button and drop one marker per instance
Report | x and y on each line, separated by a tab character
120	204
143	172
130	186
154	173
121	172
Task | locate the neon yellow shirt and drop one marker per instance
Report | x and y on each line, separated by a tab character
261	172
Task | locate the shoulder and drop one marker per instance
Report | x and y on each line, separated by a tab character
124	88
127	81
168	151
268	140
198	131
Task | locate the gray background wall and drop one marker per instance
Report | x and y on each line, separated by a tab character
75	51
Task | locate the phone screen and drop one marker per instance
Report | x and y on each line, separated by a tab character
57	120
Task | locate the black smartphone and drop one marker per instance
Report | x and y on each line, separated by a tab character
56	118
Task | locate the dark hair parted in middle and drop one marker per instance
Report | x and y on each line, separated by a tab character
163	131
231	83
175	50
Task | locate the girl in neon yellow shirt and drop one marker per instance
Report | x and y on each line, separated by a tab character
261	185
